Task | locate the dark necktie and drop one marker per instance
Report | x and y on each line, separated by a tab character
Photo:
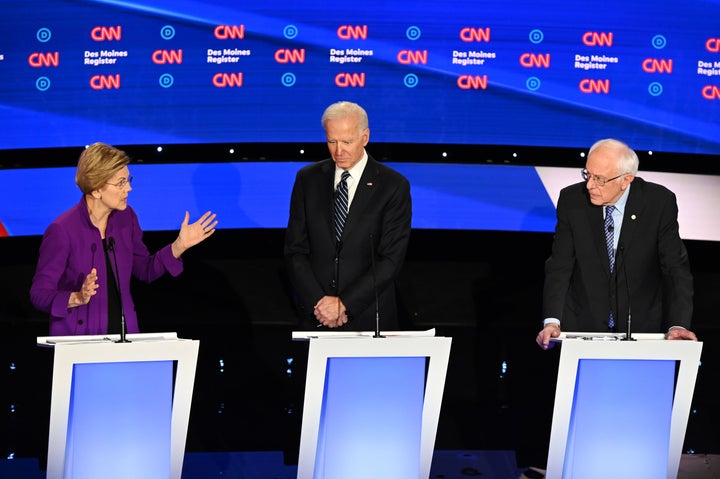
610	241
341	205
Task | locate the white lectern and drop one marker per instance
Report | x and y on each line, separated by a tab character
621	407
371	405
119	410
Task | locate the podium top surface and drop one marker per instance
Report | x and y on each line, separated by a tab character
52	341
324	334
607	336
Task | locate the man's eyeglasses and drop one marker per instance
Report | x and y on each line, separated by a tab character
599	180
121	184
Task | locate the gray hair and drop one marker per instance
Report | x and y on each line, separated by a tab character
344	109
627	159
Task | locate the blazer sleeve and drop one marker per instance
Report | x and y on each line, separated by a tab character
675	267
297	248
559	266
51	287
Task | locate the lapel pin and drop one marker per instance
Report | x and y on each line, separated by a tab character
370	184
633	217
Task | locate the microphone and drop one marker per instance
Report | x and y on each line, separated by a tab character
377	303
628	336
336	268
335	284
110	246
611	228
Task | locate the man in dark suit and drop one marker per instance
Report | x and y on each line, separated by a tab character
651	274
336	276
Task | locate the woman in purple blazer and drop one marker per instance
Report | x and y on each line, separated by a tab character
90	252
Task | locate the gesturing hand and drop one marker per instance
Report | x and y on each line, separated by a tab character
87	290
192	234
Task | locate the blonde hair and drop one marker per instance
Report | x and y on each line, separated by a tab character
97	164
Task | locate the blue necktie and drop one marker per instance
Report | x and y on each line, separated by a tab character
341	205
609	228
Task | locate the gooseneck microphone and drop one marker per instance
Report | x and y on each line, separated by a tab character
628	336
377	302
116	274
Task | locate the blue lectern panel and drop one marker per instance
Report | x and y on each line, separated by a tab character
119	420
620	422
371	420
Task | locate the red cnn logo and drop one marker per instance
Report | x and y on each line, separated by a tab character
345	80
653	65
38	60
352	32
406	57
229	32
472	82
595	39
162	57
105	82
595	86
711	92
468	34
713	45
285	55
102	34
535	60
225	80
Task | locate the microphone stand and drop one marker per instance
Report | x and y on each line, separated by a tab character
336	279
116	274
628	336
377	303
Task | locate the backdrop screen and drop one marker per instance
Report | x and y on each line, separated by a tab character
555	73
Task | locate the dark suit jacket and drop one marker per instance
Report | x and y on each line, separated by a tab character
651	263
380	212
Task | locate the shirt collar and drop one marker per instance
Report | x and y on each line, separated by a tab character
622	201
356	171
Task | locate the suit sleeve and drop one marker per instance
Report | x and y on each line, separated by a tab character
51	289
147	267
559	266
675	267
297	249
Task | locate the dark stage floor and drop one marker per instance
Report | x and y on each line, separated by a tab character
446	465
269	465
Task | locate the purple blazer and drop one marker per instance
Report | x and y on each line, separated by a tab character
71	247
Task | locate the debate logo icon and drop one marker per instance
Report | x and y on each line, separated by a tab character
535	60
469	34
105	82
40	60
225	80
106	34
346	80
594	86
598	39
406	57
229	32
472	82
352	32
163	57
286	55
654	65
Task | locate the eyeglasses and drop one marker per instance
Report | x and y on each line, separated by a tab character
599	180
121	184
